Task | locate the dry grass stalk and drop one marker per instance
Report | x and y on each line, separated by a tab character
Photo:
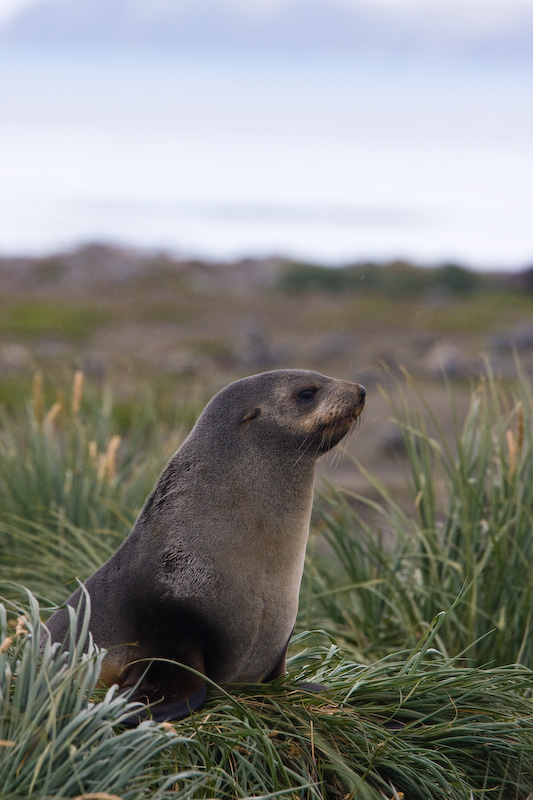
93	453
97	796
108	461
37	395
516	444
520	426
512	448
53	413
20	630
77	391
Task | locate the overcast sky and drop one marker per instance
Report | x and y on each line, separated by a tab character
494	26
337	129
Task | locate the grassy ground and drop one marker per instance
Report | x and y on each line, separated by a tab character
417	623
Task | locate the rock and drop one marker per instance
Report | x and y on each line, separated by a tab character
392	442
443	359
520	339
14	358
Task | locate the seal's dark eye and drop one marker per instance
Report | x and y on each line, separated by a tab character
307	394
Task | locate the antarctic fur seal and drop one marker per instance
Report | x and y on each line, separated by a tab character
210	574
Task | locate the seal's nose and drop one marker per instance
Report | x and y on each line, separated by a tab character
362	393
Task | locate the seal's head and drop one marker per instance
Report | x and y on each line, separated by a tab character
294	412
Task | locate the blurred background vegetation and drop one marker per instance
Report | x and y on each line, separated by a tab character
164	334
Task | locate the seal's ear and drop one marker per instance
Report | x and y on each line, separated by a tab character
253	414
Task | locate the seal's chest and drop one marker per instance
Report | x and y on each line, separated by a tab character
250	633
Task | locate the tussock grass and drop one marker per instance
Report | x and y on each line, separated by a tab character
407	724
465	544
65	457
415	723
70	487
54	741
424	609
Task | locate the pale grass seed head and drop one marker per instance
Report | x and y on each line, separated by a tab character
37	395
77	391
53	414
107	467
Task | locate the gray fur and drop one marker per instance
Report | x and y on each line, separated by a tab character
221	540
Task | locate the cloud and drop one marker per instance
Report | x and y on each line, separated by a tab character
354	25
10	9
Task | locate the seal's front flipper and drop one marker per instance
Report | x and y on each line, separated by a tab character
314	688
280	667
170	690
179	706
173	692
172	684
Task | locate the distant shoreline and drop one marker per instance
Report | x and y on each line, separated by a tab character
133	257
